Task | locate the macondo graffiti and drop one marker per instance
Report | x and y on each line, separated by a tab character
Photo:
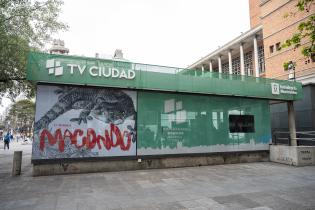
89	141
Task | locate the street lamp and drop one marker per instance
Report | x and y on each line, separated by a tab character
291	69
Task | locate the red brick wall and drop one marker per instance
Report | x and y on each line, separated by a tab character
254	13
277	28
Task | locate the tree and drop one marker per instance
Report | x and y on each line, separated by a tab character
24	25
21	115
305	31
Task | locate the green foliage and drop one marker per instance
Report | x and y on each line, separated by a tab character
21	114
305	31
24	25
304	5
288	65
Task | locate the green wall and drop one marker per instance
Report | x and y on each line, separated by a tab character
185	123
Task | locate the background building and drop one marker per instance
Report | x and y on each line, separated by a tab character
279	25
258	52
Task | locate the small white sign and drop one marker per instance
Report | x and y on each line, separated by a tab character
275	88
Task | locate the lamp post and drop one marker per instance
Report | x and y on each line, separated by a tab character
291	68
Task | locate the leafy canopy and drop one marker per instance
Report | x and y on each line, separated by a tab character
21	114
24	25
305	31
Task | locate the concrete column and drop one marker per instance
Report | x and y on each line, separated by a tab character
256	57
202	70
220	64
230	62
210	65
292	128
242	59
17	163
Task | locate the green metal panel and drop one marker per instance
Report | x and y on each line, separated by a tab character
185	123
150	77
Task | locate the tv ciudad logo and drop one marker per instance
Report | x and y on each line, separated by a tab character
54	67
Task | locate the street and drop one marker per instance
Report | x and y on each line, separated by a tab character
259	186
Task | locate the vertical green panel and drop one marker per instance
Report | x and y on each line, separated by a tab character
185	123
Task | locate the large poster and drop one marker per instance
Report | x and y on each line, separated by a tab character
80	122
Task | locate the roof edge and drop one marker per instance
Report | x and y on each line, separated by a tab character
245	35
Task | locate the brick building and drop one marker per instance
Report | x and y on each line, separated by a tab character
276	29
258	52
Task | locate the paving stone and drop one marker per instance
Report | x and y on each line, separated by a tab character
260	208
189	204
252	186
236	201
209	203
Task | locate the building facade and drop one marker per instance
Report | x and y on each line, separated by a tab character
258	51
244	55
280	20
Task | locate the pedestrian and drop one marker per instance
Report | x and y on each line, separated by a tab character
11	137
7	140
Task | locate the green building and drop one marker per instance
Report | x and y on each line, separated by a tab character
100	115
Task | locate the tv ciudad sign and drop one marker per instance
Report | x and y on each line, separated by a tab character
55	67
75	70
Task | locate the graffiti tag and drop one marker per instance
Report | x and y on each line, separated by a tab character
113	138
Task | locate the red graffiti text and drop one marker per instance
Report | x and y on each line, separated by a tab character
90	140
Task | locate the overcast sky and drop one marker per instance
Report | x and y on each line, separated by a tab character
162	32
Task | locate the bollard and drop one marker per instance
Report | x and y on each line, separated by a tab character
17	162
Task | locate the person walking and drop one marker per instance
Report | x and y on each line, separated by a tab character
11	137
7	139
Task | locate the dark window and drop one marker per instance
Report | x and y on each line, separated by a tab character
241	123
261	59
271	49
278	47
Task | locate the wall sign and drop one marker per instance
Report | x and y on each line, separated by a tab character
56	68
277	89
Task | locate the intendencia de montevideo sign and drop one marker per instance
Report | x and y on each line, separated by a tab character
277	89
55	67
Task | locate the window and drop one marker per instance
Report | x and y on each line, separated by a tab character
241	123
307	61
225	68
236	68
271	49
278	47
261	59
248	61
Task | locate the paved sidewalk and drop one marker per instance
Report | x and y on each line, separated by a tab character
6	158
259	186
